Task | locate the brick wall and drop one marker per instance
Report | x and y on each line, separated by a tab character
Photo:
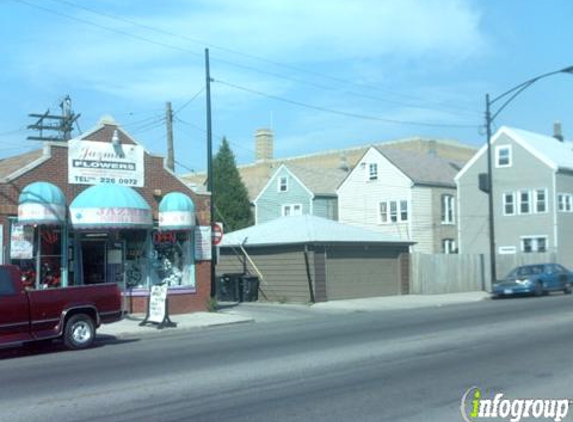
54	169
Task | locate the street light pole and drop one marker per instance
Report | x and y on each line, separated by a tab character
492	260
489	118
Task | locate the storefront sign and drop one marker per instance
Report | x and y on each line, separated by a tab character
93	163
157	304
110	217
203	243
21	242
176	219
41	213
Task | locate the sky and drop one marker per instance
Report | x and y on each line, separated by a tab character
323	74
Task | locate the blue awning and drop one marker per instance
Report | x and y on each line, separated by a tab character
176	212
41	203
110	206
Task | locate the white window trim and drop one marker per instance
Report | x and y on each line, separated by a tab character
497	155
504	202
529	202
534	247
448	207
448	246
372	175
292	208
279	184
545	192
388	203
567	202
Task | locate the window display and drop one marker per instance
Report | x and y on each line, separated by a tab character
171	258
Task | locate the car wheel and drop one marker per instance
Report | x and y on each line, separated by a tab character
79	332
567	289
539	289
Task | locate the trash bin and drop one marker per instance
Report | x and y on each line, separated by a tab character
249	288
228	287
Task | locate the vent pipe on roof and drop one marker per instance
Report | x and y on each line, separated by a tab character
557	131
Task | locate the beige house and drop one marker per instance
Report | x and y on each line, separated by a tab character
257	174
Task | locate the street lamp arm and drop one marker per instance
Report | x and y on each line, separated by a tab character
516	91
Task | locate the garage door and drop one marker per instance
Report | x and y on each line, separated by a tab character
357	272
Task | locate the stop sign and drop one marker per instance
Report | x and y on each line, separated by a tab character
217	233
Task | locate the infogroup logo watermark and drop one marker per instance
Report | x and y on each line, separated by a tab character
475	407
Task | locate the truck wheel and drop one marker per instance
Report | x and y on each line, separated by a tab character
79	332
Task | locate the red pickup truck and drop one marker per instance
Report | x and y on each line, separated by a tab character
70	313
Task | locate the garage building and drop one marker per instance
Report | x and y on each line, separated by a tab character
306	258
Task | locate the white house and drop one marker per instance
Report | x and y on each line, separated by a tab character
404	194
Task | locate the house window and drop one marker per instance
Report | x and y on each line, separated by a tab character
534	244
448	208
383	216
503	156
509	203
393	211
565	202
292	209
449	246
541	200
403	210
283	184
524	202
373	171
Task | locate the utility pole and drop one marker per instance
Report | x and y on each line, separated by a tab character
63	124
491	221
169	120
210	183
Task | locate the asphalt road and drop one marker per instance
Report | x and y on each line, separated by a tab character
411	365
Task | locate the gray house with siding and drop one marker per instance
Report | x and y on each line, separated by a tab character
403	194
297	190
304	257
532	196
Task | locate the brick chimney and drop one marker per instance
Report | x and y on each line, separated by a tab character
263	144
557	131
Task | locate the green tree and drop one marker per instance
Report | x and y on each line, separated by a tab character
230	197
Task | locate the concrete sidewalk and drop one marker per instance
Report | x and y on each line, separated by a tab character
402	302
129	326
272	312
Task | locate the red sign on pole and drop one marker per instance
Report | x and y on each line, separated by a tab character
217	233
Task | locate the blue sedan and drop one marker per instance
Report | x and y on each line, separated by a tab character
538	280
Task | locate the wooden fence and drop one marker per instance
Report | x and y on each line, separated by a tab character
438	274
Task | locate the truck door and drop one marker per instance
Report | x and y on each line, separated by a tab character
14	318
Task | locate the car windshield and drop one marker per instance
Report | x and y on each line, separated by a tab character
525	271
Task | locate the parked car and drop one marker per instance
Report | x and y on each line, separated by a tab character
70	313
537	279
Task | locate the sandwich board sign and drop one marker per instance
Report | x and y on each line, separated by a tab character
157	310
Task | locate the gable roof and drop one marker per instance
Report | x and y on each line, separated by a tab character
423	169
11	165
319	181
303	229
554	153
256	175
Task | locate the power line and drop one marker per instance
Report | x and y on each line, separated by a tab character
344	113
189	102
264	60
241	66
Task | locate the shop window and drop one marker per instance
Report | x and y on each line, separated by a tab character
135	258
37	247
172	258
